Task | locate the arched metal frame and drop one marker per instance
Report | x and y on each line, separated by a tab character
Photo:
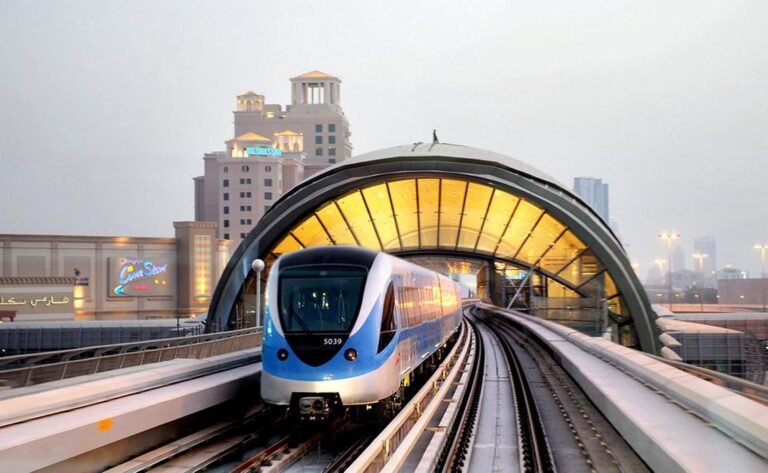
437	161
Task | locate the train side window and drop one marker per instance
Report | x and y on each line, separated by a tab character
387	332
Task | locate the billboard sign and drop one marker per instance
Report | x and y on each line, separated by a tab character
263	152
131	277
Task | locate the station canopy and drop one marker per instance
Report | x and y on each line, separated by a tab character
544	249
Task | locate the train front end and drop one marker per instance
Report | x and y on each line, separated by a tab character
322	316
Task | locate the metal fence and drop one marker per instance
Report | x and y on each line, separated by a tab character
754	391
28	370
734	353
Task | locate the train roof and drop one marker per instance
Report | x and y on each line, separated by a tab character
353	255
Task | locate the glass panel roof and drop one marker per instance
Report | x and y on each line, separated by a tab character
403	195
433	213
478	198
451	209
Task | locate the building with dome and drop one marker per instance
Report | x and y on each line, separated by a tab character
274	147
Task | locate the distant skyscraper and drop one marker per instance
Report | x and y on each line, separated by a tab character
679	257
594	192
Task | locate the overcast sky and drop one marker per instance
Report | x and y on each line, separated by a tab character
106	108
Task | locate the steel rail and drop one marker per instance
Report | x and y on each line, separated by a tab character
345	458
456	442
256	460
535	456
177	448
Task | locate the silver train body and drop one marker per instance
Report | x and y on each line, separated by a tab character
346	326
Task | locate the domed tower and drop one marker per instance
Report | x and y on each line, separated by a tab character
316	88
250	102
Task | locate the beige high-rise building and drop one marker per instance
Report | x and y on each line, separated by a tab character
273	149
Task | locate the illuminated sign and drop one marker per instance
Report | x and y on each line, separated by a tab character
263	152
138	277
33	302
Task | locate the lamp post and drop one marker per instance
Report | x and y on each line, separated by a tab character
700	257
660	263
669	237
762	249
258	266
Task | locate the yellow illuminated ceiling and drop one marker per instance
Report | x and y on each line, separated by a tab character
447	214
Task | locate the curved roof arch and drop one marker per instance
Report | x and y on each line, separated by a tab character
450	199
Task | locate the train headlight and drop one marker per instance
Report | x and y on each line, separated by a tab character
282	354
350	354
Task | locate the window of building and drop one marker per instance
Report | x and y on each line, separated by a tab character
226	210
225	183
319	128
318	151
242	181
332	140
226	236
242	194
226	169
267	207
248	181
242	221
248	194
248	222
267	196
245	168
226	223
267	182
268	168
332	160
248	208
226	196
242	235
331	151
331	128
318	139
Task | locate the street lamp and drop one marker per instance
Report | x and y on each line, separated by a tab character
669	237
762	249
258	266
700	257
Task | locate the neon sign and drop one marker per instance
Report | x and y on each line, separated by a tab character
136	276
263	152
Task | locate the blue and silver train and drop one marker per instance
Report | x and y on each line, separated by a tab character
350	327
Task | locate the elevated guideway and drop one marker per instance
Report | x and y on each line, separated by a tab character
88	423
664	414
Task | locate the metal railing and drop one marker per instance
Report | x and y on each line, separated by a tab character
384	452
28	370
754	391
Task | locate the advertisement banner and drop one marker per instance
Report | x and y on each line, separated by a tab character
132	277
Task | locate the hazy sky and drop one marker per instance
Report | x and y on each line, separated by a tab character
106	108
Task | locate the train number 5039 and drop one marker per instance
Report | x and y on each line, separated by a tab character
332	341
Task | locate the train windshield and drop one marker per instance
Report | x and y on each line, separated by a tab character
320	298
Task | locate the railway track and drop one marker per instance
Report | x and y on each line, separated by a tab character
546	424
535	453
201	449
455	450
560	429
